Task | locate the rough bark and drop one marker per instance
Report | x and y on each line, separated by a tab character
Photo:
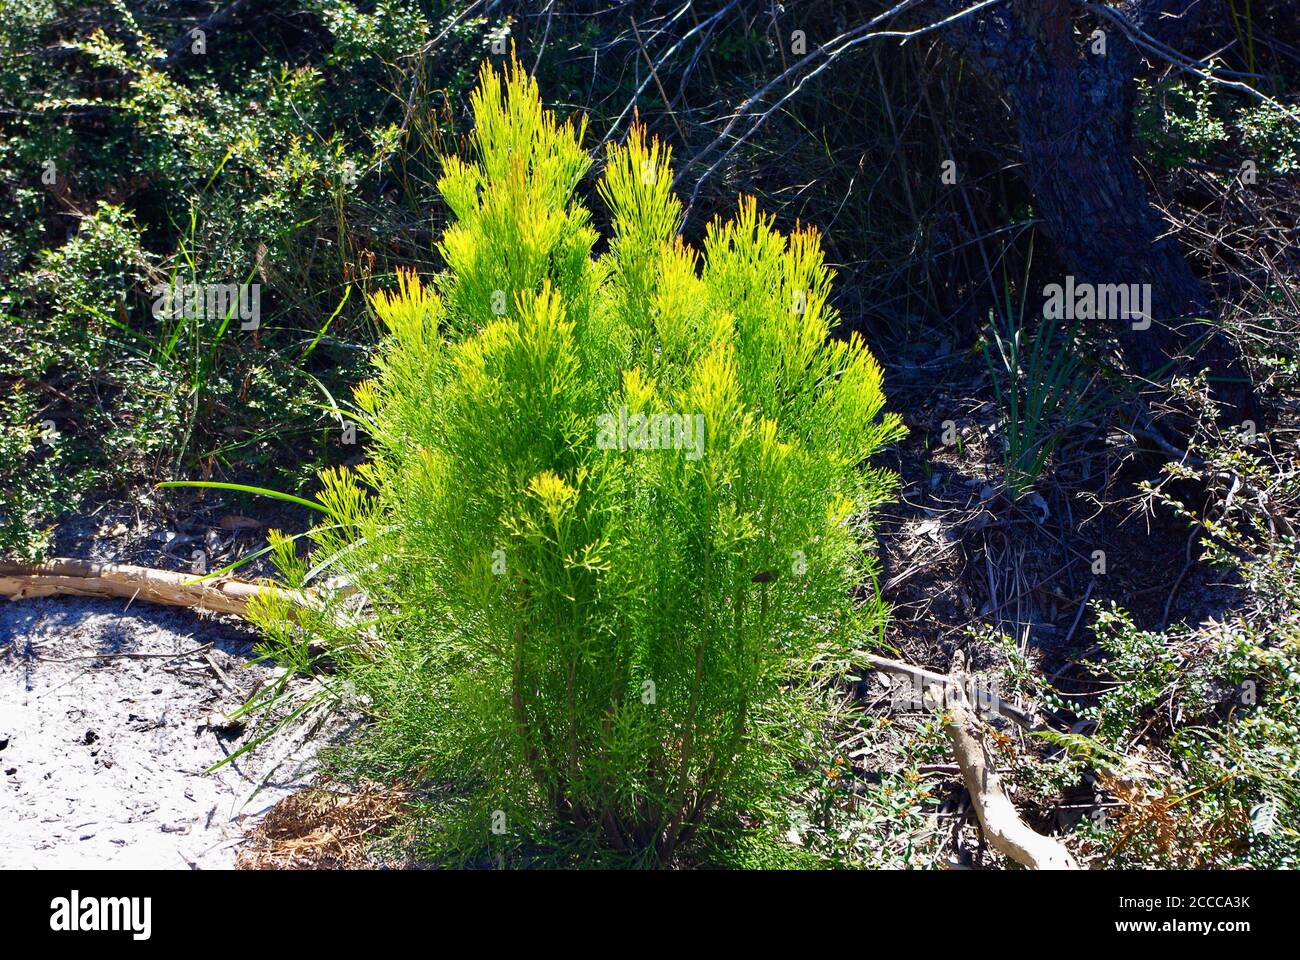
1073	111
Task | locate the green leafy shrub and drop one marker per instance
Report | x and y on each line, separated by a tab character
1185	123
1195	737
613	519
1272	136
78	408
37	483
298	163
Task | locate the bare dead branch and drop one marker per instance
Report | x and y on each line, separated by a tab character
1005	831
1145	41
937	682
830	51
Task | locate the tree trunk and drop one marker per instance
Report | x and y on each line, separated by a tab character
1073	110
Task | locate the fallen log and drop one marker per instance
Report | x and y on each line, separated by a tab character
85	578
1003	828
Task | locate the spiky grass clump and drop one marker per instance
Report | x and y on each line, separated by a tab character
612	518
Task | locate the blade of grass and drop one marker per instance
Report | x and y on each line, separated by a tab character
245	488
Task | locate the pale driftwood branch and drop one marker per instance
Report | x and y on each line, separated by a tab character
1005	831
931	681
84	578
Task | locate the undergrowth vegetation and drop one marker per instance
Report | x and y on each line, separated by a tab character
614	511
1041	382
266	165
1216	704
1187	740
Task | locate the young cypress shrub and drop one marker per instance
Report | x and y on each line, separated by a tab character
612	525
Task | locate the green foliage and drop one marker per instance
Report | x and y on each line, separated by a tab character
612	521
1191	130
34	489
885	823
93	426
1185	123
390	31
1041	386
1268	133
268	163
1221	791
1197	734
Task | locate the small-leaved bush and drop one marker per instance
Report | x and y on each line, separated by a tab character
610	535
296	163
1184	123
1193	741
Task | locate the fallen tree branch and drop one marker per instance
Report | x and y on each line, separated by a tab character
930	681
84	578
1005	831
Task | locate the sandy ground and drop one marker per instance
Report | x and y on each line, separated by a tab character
107	719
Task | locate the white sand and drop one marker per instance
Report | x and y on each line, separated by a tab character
104	761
